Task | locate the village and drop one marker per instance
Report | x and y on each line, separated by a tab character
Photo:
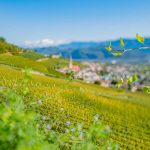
107	75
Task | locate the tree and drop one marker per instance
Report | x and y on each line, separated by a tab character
2	50
3	40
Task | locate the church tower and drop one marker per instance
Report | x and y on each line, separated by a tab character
70	62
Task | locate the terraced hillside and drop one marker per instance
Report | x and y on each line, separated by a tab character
126	113
20	62
20	58
32	55
52	63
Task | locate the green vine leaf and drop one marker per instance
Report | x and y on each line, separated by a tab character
139	38
134	77
121	42
146	89
120	82
117	54
109	48
129	80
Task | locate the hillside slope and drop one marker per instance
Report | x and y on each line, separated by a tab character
126	113
20	58
21	63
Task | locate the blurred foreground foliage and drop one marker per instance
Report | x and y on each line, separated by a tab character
21	127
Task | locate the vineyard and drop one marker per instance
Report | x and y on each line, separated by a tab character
21	62
126	113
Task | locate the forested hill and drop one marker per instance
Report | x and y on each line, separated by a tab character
12	49
6	47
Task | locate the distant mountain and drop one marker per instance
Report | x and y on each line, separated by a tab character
95	51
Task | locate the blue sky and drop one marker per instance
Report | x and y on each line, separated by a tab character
54	21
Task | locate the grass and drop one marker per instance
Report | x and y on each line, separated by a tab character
52	63
32	55
29	59
21	62
126	113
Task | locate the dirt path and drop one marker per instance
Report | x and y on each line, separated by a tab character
42	59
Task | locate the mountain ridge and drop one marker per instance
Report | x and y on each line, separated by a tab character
95	51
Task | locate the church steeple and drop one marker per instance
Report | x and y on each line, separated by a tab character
70	62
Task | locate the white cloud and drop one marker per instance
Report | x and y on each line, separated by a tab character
43	43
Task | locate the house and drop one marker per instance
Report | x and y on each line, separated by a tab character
87	75
56	56
105	83
75	68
